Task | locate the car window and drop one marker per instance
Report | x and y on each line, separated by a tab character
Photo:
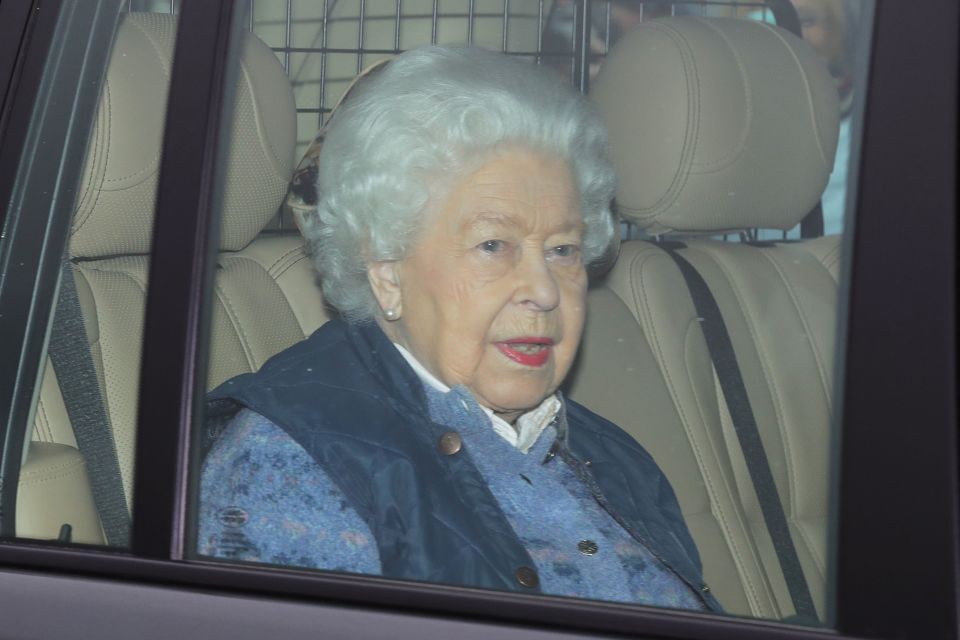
78	439
701	367
706	368
313	448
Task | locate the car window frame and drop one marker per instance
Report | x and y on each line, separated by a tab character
885	507
172	369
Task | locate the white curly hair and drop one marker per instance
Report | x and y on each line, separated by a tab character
407	134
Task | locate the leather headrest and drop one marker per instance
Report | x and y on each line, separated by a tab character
115	205
717	124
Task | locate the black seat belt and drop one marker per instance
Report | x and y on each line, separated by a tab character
80	388
745	425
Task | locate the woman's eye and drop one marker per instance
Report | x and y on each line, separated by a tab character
565	251
492	246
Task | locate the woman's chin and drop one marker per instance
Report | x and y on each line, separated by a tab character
512	387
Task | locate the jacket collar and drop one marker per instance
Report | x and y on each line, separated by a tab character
388	366
385	364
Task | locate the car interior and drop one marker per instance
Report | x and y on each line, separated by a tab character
718	125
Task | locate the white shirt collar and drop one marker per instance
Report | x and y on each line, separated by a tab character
529	426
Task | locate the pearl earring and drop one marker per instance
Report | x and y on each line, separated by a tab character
391	314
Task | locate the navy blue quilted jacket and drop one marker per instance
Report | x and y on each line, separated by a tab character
348	397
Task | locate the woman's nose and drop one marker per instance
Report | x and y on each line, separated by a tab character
537	284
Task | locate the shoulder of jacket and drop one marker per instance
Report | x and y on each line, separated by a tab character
325	360
584	421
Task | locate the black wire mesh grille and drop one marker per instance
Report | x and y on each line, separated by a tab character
322	44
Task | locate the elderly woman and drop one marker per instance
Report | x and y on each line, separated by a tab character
462	193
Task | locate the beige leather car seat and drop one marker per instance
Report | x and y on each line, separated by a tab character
719	125
265	294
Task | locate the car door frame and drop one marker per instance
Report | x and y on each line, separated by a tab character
913	511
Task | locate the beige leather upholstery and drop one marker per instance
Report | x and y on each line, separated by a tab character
265	295
54	489
711	121
51	423
618	375
827	251
266	299
116	201
779	304
751	146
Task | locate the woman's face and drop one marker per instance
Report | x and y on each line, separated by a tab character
493	295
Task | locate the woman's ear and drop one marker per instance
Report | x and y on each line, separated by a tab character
384	277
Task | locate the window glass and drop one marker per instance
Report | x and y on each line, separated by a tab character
76	474
428	389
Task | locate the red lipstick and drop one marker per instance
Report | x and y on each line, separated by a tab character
528	351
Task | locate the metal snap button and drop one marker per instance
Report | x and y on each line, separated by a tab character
527	577
450	443
704	588
587	547
551	454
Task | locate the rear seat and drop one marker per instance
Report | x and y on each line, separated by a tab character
266	297
717	126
